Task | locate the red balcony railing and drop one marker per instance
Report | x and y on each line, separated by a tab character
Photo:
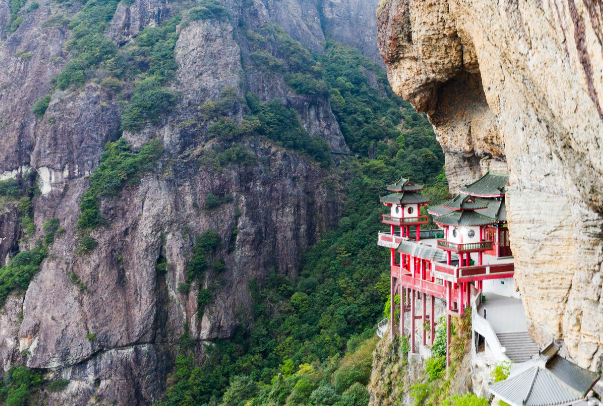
470	246
406	221
471	273
389	241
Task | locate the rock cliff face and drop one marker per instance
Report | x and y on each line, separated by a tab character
281	201
518	86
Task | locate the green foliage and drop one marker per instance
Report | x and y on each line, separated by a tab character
10	188
20	271
208	9
435	367
211	202
26	215
18	384
501	371
282	124
205	245
356	395
468	399
112	84
203	299
149	102
91	337
73	278
33	6
40	106
58	385
240	389
346	376
439	343
50	228
119	167
15	20
324	395
419	392
87	244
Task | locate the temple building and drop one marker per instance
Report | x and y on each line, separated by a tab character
469	266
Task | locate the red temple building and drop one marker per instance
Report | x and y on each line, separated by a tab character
474	250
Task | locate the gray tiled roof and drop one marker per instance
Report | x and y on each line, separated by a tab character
543	381
438	210
491	184
404	198
424	251
578	378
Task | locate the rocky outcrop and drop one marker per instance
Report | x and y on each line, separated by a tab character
518	86
109	321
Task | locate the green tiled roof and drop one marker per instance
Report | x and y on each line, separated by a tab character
438	210
464	218
404	198
491	184
496	209
465	202
404	185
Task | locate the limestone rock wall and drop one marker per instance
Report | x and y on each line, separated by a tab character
518	86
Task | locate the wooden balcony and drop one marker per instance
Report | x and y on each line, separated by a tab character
406	221
390	241
467	247
473	273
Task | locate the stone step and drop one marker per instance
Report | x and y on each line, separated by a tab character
519	346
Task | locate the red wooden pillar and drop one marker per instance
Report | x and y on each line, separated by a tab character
412	320
424	318
432	318
392	306
393	257
448	332
448	258
461	288
480	258
392	229
418	233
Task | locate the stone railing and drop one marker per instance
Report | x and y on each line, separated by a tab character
484	328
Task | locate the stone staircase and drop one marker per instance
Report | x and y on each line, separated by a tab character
519	346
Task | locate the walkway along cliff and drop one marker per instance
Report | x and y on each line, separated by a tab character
517	86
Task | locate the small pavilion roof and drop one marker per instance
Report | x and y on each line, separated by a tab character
545	380
424	251
492	184
464	218
438	210
404	198
465	202
404	185
496	209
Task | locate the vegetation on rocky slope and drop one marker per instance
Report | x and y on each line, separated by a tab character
292	351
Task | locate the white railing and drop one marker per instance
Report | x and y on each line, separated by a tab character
482	326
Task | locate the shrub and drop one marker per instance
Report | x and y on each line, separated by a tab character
58	385
241	388
118	168
50	228
112	84
147	105
435	367
18	385
324	395
501	371
10	187
87	244
184	287
356	395
203	299
208	9
20	271
211	202
419	392
40	106
33	6
346	376
468	399
91	337
208	241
